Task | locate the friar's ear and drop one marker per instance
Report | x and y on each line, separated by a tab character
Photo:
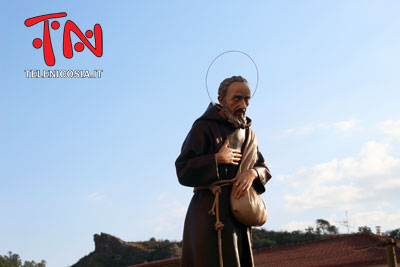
220	100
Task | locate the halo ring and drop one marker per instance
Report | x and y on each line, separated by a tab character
226	52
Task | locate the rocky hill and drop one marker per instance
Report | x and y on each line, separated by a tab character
111	251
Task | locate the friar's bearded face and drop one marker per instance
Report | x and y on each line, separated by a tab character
235	103
239	121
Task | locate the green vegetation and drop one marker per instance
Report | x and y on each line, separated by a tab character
13	260
265	239
158	249
393	233
364	229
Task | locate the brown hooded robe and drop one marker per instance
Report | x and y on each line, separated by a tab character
196	166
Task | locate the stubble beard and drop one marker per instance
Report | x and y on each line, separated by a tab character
237	121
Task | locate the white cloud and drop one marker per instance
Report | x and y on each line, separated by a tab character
366	184
96	196
341	126
367	181
321	173
302	225
373	160
169	214
297	225
304	130
341	197
344	125
376	218
161	196
387	221
392	129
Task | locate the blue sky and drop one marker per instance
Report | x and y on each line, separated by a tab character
84	156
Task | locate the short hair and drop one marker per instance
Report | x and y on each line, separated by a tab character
223	87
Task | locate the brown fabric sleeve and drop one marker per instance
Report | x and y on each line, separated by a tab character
263	174
196	165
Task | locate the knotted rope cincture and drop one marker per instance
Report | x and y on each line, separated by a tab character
215	188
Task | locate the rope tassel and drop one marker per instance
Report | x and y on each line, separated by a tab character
219	226
215	188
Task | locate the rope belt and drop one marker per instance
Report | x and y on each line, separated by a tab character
215	188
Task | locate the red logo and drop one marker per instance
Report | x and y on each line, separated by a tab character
69	27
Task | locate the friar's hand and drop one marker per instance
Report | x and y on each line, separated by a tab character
244	182
227	155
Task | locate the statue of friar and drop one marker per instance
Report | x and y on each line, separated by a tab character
213	151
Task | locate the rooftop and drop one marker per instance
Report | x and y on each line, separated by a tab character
362	249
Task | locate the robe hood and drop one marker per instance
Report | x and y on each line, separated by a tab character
212	113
